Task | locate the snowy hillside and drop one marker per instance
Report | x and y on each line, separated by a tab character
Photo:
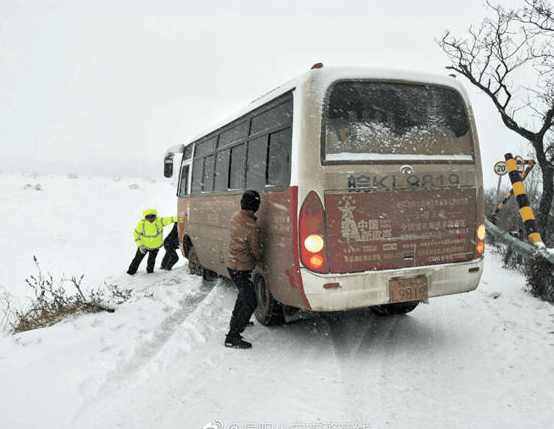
474	360
73	225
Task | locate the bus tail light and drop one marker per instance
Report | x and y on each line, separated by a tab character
314	243
312	234
480	242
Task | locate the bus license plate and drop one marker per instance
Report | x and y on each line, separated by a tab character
403	289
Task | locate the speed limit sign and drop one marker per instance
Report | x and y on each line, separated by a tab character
500	168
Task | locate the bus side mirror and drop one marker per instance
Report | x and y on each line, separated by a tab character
168	165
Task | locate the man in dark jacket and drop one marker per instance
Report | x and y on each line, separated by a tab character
171	244
244	253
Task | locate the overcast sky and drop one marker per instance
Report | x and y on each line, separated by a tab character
105	87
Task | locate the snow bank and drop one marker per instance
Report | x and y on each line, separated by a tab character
73	225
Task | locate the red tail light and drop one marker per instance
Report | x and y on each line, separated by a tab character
480	244
312	234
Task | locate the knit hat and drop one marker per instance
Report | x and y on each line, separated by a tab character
250	200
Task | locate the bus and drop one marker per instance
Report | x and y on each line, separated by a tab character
371	188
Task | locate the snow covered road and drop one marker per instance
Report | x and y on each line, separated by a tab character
464	361
482	359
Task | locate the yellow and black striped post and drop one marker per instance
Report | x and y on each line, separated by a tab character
530	164
525	210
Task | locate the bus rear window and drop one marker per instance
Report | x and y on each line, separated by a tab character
377	121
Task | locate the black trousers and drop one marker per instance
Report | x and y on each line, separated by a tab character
245	303
152	253
170	258
171	244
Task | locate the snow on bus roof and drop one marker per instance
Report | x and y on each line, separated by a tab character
327	75
336	73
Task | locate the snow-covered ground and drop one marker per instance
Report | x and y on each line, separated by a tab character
73	225
482	359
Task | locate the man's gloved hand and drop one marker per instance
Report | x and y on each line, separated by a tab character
142	249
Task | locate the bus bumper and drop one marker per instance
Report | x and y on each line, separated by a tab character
358	290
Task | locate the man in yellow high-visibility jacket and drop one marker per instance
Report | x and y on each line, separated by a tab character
149	238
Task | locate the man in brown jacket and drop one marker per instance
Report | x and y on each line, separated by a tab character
244	253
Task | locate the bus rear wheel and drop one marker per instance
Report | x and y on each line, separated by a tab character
269	311
209	275
393	309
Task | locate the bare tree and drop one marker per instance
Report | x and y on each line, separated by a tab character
538	13
509	57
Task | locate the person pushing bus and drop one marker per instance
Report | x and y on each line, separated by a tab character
171	245
243	254
149	238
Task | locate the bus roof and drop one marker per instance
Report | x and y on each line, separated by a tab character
327	75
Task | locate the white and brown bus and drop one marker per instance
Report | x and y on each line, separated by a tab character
371	188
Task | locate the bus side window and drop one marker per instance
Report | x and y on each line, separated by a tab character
203	166
236	176
222	171
187	154
197	167
184	181
234	134
205	148
257	163
208	176
278	169
277	117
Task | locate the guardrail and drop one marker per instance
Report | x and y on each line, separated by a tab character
521	247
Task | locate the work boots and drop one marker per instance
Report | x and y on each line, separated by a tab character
236	342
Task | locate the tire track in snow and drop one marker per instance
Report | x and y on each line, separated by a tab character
377	356
148	349
360	338
167	381
241	377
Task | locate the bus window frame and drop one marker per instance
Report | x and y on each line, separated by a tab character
323	139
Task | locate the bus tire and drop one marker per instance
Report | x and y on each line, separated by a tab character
394	309
268	311
209	275
187	245
194	264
